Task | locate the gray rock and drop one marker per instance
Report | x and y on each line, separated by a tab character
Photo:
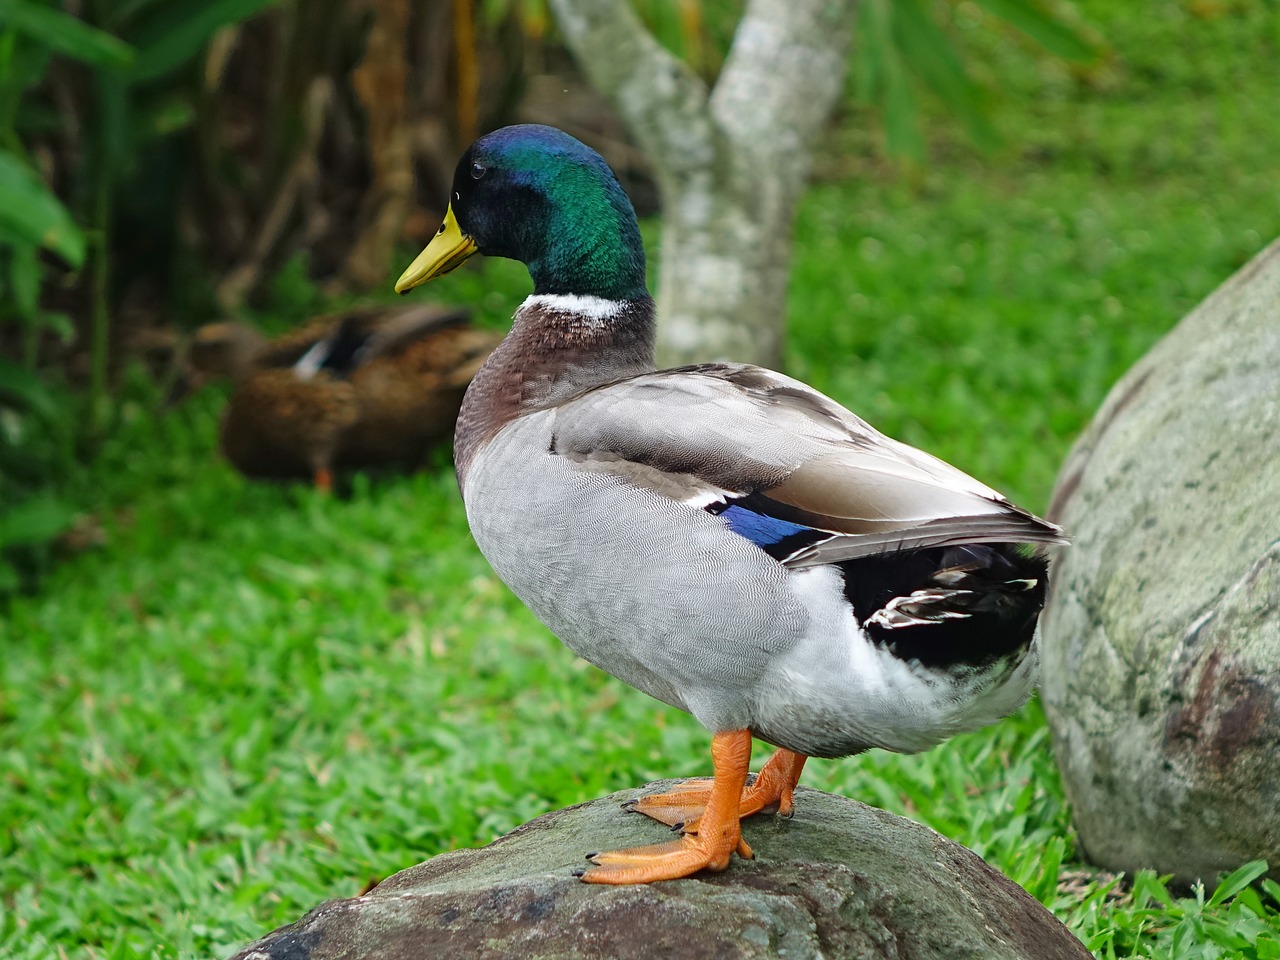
840	879
1161	640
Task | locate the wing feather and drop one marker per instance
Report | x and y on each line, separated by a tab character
726	432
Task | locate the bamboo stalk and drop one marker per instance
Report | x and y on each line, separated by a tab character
464	44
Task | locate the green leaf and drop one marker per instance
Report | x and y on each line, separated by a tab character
24	279
64	33
180	32
1251	900
901	113
883	78
121	13
1147	887
1041	26
167	117
10	580
873	38
21	388
37	520
30	211
1237	880
1272	888
1225	938
494	11
929	54
59	324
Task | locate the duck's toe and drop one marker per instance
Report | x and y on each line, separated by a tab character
666	861
771	791
677	808
720	828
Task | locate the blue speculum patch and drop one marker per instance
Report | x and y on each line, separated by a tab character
760	529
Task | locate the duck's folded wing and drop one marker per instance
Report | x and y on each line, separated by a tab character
785	466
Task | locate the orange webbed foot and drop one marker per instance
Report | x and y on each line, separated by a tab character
771	792
719	835
676	808
665	861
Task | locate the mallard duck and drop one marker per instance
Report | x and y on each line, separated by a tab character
721	536
366	387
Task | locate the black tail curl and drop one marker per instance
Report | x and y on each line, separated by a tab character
955	606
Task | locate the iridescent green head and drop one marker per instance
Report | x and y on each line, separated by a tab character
535	194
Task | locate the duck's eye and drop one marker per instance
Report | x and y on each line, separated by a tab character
478	170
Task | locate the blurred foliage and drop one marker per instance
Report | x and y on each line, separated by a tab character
36	446
85	100
37	422
901	47
905	45
32	217
320	124
199	145
81	101
162	157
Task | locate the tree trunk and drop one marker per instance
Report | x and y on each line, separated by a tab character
730	161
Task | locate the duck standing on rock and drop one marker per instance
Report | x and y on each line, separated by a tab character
720	536
372	386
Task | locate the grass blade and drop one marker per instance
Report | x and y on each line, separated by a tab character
1237	880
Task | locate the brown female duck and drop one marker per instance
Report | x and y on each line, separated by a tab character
365	387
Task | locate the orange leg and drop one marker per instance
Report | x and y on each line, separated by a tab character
771	792
324	479
719	834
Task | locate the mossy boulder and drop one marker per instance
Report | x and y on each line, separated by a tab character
840	879
1161	639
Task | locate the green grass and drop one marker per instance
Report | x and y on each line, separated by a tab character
253	698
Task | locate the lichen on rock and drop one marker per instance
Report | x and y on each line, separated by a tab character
1161	638
840	879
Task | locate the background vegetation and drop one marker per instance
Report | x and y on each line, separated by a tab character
246	698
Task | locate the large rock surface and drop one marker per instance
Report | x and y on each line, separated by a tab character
1161	640
839	880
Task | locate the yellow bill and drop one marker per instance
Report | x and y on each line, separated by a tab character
449	249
